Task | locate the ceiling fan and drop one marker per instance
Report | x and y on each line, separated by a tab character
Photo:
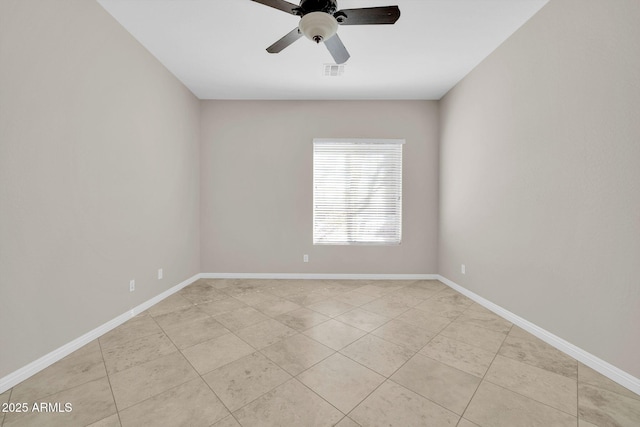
319	20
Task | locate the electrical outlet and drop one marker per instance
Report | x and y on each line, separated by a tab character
305	258
132	285
160	274
463	269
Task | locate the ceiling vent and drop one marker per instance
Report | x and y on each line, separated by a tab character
333	70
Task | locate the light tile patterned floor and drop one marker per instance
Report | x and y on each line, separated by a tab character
226	353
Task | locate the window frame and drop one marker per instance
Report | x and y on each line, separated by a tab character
317	241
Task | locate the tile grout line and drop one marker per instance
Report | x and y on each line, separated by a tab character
192	367
611	391
339	352
317	394
4	415
534	366
197	373
109	381
400	367
215	394
170	388
303	290
418	352
61	390
130	340
226	364
294	377
577	394
520	394
310	366
532	398
386	379
485	373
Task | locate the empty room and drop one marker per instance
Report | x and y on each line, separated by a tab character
345	213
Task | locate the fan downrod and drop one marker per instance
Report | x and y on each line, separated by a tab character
320	19
327	6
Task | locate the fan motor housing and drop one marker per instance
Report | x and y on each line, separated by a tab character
327	6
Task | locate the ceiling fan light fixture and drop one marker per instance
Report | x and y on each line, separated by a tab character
318	26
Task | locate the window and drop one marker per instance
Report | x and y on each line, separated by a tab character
357	191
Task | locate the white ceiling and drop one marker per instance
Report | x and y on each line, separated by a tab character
217	47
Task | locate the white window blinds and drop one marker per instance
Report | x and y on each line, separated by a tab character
357	192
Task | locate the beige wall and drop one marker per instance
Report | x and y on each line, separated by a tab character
98	175
540	177
100	151
256	185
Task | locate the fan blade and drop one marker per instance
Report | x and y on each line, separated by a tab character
337	49
282	5
278	46
368	15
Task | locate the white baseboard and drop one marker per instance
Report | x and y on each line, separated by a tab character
319	276
153	301
47	360
608	370
605	368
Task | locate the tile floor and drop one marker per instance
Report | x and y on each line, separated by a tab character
321	353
